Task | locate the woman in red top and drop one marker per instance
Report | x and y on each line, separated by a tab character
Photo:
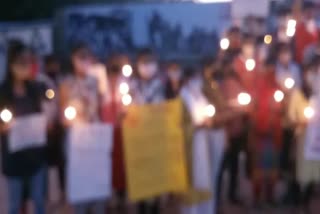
266	139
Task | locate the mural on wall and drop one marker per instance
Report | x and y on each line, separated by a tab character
174	30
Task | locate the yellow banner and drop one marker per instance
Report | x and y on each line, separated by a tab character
154	150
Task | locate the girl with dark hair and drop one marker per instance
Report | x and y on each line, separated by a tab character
25	166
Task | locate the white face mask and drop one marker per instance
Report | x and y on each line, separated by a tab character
148	70
195	84
175	75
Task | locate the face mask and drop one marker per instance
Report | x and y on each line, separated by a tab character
195	84
148	70
174	75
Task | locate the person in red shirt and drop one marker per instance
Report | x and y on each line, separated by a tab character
266	133
306	31
246	65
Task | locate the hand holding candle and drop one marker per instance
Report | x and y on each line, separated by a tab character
278	96
224	43
70	113
289	83
127	70
250	64
6	116
291	28
244	99
124	88
210	110
309	112
126	99
50	94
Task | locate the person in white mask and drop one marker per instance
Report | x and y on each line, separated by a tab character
148	86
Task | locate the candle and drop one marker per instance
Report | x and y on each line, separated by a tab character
291	28
244	99
126	99
70	113
127	70
278	96
250	64
124	88
267	39
6	116
224	43
50	94
210	110
308	112
289	83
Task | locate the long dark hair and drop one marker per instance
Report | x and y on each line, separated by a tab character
15	50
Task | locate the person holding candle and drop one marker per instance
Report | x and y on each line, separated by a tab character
298	103
200	198
112	112
79	101
147	88
286	67
25	168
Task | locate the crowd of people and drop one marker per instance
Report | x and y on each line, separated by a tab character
259	92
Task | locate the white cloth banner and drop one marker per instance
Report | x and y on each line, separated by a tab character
89	162
28	132
312	138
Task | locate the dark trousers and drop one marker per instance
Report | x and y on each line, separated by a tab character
149	207
231	164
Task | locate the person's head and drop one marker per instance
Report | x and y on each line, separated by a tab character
52	64
81	59
147	64
248	47
308	10
208	68
284	54
234	36
309	77
19	62
174	72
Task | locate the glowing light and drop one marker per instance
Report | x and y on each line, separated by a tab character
127	70
308	112
50	94
244	99
224	43
210	110
250	64
126	99
278	96
267	39
124	88
291	28
70	113
6	116
289	83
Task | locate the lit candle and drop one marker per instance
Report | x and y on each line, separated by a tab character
267	39
50	94
127	70
6	116
124	88
210	110
224	43
308	112
278	96
126	99
291	28
250	64
289	83
70	113
244	99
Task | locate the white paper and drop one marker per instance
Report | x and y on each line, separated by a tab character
28	132
312	138
89	162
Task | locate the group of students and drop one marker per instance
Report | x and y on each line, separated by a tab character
258	96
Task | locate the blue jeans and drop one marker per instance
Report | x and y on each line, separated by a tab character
37	188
